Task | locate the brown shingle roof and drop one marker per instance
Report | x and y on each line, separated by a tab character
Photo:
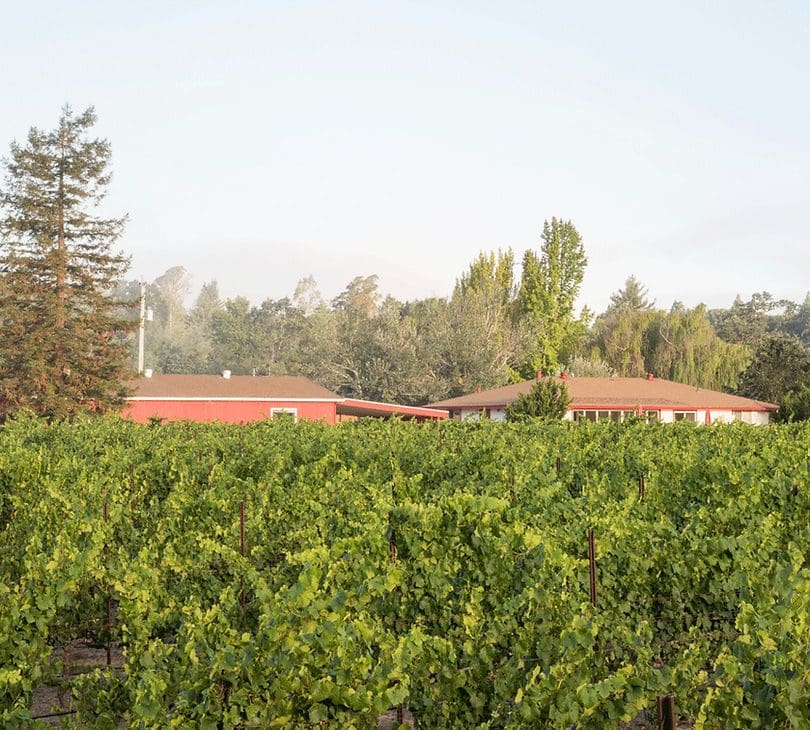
237	386
616	393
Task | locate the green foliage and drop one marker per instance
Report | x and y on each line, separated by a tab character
795	405
360	298
443	566
363	346
780	364
678	345
549	287
60	345
547	399
682	346
632	298
368	346
620	339
490	275
748	322
582	367
797	321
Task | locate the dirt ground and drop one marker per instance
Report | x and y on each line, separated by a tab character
389	720
51	703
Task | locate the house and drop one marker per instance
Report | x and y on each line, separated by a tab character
242	398
602	399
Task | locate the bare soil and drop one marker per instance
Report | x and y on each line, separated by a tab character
51	703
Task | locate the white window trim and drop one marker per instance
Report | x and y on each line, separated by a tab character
284	412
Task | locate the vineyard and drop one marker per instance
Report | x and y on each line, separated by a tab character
477	575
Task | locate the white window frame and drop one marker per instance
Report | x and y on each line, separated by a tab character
284	412
600	415
684	416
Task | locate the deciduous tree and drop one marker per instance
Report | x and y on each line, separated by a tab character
491	274
780	364
682	346
549	287
307	297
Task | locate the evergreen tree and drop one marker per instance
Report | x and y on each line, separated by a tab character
61	349
633	297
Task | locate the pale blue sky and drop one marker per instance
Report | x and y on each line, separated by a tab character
259	142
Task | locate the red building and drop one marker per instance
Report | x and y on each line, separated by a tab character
242	398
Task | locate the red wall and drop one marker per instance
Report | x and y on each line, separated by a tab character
224	411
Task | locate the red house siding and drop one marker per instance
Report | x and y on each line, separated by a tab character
225	411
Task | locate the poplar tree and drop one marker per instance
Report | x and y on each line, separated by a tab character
491	275
61	344
549	287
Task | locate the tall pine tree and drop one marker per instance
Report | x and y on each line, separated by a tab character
61	349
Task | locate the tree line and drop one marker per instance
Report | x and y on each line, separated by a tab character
487	333
69	315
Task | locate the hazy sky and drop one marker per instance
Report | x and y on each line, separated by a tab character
259	142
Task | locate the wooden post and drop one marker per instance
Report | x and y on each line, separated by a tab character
108	607
592	565
242	549
242	526
666	713
109	631
392	557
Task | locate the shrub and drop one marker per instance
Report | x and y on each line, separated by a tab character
548	399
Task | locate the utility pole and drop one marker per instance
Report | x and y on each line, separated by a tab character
141	327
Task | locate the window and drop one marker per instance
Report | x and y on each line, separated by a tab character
684	416
290	413
614	416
